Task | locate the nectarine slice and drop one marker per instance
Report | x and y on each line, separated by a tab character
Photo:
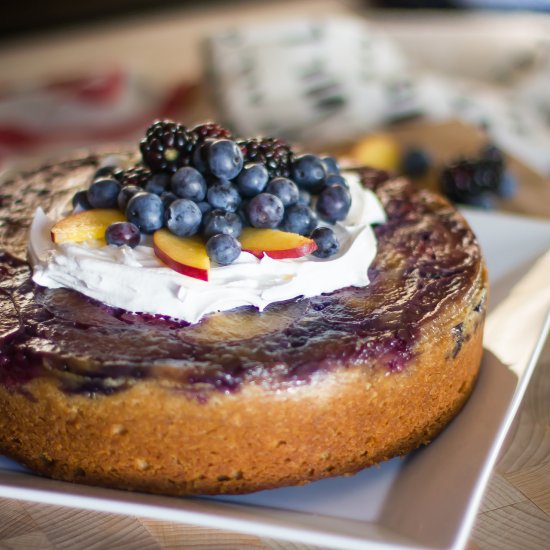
186	255
85	226
275	244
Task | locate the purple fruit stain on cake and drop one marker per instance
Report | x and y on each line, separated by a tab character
427	256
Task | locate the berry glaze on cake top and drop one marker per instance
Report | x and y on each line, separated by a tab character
242	400
425	247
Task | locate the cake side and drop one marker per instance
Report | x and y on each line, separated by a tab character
152	438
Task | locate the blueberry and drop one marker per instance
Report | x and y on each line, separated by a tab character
242	212
508	185
104	193
484	200
224	195
157	183
223	249
109	165
199	158
80	201
183	217
125	194
167	198
333	203
105	172
146	211
415	163
265	210
309	172
252	179
336	179
331	165
285	189
204	207
299	218
219	221
304	197
189	183
120	233
225	159
326	241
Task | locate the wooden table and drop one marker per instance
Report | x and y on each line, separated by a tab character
516	510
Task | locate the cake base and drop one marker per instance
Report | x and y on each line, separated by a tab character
155	439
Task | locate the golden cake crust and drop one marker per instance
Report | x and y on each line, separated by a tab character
161	435
153	439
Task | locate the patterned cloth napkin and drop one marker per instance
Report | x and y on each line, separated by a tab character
327	80
88	110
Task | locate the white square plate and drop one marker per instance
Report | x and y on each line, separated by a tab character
427	500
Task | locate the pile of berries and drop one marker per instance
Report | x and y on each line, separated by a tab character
202	182
476	181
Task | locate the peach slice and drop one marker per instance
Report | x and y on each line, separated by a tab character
378	151
85	226
186	255
275	244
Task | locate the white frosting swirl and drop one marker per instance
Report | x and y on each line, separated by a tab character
136	280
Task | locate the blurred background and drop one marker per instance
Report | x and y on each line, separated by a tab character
419	87
35	15
453	93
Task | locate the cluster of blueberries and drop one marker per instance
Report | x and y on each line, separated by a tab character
218	194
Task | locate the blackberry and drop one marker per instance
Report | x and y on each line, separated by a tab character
137	175
466	179
491	152
275	154
209	130
167	146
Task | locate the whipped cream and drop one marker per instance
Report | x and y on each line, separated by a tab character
136	280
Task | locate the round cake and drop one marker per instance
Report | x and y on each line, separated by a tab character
242	400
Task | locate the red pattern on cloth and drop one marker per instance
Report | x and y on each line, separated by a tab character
83	110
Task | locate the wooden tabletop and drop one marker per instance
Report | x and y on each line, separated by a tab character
515	513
